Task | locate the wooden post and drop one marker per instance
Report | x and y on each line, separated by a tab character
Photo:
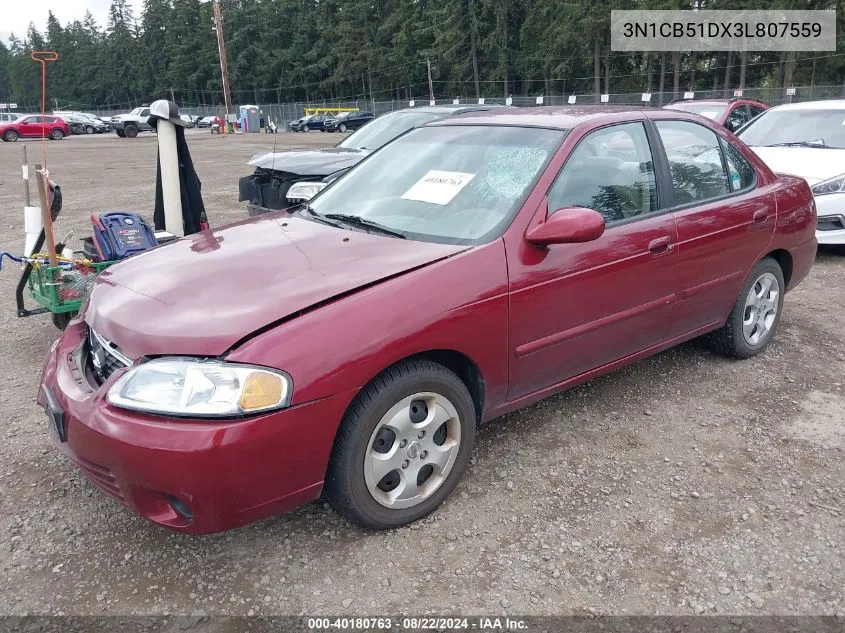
46	215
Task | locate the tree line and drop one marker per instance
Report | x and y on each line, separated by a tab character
312	50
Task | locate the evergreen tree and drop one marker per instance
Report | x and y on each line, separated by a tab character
311	50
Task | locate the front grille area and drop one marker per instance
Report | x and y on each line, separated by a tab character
101	477
831	223
104	357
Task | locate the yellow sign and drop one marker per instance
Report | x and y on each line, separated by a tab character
309	111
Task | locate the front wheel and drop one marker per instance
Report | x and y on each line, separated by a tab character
342	127
120	133
130	131
11	136
402	447
89	130
62	319
755	316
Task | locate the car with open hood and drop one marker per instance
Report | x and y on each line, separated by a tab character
808	140
285	179
472	266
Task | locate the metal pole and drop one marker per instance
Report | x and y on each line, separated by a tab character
221	49
25	172
430	87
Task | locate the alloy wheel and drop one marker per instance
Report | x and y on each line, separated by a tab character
761	309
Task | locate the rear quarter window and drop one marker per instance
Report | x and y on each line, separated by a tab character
741	174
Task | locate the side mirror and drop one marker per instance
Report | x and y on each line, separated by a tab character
569	225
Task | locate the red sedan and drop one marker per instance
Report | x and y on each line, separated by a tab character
35	126
732	113
469	268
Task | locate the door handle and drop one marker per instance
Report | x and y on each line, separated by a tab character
760	216
660	246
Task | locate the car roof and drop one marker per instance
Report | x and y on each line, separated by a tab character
830	104
721	101
563	118
716	101
451	109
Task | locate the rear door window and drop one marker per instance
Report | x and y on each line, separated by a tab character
695	161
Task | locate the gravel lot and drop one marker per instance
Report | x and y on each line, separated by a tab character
684	484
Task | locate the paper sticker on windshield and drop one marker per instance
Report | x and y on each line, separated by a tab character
710	114
438	187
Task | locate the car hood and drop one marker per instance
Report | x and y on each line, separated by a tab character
319	162
202	294
810	163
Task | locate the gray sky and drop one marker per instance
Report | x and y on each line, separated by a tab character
17	14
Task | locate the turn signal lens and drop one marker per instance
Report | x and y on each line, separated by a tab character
262	390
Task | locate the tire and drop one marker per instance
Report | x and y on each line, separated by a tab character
57	135
89	130
120	133
307	129
401	395
755	316
130	131
61	319
342	127
11	136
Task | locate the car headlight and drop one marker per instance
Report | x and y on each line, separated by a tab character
304	190
831	185
200	388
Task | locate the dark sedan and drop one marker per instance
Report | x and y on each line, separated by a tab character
268	188
309	123
348	121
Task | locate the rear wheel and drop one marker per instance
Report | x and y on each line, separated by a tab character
11	136
755	316
130	131
57	134
120	133
403	445
89	129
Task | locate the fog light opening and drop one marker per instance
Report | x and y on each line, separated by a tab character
181	508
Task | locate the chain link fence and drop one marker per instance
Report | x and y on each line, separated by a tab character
283	113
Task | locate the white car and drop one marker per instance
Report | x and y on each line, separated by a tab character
807	140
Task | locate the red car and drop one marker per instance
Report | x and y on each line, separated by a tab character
34	126
471	267
732	113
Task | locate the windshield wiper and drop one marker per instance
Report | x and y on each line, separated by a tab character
820	144
317	216
363	223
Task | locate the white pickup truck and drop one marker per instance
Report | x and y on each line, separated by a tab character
128	125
